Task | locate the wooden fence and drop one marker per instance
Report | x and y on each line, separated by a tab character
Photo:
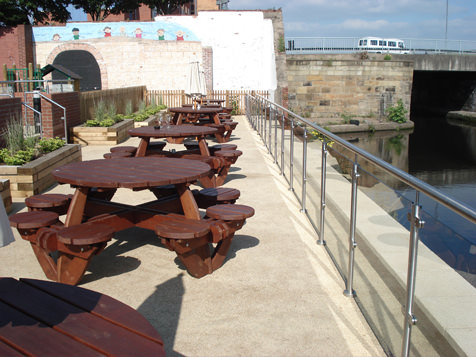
175	98
118	97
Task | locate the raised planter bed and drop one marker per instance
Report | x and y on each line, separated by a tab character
103	136
35	176
150	121
6	194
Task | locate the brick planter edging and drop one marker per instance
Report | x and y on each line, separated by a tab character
35	177
103	136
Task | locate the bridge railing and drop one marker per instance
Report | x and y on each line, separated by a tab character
309	45
385	231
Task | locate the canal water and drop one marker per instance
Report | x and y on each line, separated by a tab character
442	153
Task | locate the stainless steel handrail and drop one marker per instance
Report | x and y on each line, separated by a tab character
257	114
408	179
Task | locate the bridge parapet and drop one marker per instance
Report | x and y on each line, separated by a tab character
441	62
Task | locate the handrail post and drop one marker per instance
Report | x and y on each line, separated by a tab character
282	144
269	130
321	240
349	291
409	320
291	157
304	171
276	137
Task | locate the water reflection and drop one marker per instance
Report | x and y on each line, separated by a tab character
441	153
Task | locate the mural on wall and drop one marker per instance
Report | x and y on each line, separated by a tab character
161	31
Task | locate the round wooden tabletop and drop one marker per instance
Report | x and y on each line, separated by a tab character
190	110
137	172
180	131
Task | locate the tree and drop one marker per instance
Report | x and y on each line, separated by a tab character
19	12
99	10
165	7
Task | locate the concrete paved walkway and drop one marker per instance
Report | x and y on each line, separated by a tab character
278	293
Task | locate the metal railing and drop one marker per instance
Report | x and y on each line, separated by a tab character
381	290
309	45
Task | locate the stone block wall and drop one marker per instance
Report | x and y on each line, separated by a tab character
330	86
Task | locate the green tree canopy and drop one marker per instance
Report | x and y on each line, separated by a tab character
19	12
99	10
165	7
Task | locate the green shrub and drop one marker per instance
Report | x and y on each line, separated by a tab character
387	57
48	145
397	113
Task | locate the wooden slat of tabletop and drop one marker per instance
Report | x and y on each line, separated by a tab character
7	351
100	305
81	325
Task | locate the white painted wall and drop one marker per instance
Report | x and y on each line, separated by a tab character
243	47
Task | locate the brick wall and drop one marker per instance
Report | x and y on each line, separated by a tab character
16	46
328	86
51	114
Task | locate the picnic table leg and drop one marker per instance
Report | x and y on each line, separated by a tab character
220	252
71	268
202	144
209	181
142	148
189	205
221	175
198	261
76	207
46	262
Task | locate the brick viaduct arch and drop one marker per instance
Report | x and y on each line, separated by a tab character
84	47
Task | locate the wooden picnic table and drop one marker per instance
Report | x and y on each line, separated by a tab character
133	173
190	115
43	318
146	133
220	164
92	217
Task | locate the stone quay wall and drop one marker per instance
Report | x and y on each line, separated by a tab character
333	86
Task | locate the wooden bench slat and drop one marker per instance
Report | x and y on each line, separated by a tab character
33	219
47	200
85	233
179	227
230	212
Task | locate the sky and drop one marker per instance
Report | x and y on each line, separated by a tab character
422	19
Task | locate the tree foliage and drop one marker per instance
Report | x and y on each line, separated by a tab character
165	7
19	12
100	9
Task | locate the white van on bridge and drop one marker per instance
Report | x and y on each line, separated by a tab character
382	45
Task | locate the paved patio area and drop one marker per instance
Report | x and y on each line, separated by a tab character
277	294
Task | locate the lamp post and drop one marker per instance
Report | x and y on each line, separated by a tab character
446	28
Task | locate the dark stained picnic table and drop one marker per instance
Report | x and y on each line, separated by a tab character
132	173
42	318
146	133
191	115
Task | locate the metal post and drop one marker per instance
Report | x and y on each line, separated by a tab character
349	291
304	171
291	157
276	138
265	137
37	105
282	144
321	240
409	320
269	130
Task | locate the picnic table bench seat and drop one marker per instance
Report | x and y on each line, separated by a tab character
193	145
75	245
54	202
212	196
131	149
118	154
202	245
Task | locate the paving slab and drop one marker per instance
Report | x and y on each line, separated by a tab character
278	292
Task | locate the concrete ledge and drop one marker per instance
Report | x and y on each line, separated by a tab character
462	115
368	126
